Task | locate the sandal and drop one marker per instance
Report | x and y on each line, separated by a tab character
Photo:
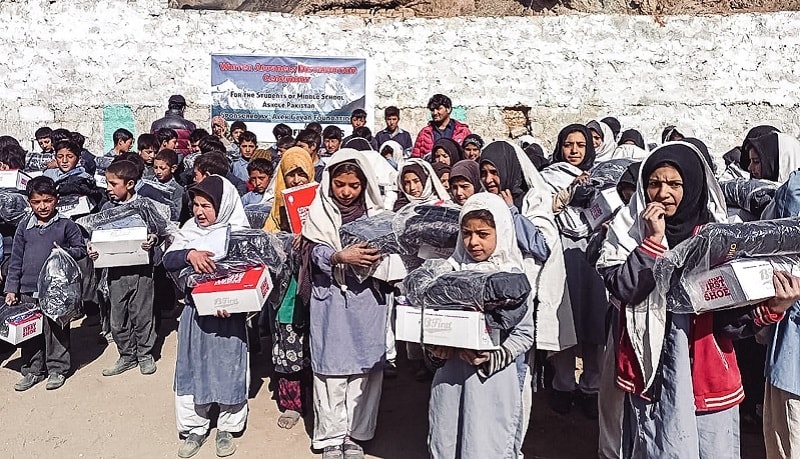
352	450
288	419
332	452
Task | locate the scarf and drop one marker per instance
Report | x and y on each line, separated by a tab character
440	169
606	149
503	156
588	158
452	148
779	154
469	171
634	136
432	190
397	151
293	158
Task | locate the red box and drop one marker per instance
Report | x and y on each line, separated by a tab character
297	201
240	292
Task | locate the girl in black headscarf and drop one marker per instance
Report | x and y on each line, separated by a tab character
500	171
465	180
447	151
575	149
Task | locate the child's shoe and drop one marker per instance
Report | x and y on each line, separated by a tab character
147	365
28	381
191	445
225	444
121	366
54	381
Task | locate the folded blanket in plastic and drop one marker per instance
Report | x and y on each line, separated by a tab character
717	243
155	215
605	175
377	231
426	224
750	195
59	286
257	215
13	207
15	313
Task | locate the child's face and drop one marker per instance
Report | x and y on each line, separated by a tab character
45	143
472	152
295	178
479	238
332	145
236	133
412	185
203	211
66	160
124	146
118	189
392	122
260	181
461	190
445	179
441	156
198	176
163	171
169	144
247	148
43	205
147	154
357	122
346	188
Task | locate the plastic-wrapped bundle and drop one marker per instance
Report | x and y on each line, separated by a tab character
257	215
427	224
155	215
60	287
607	174
15	312
571	222
377	231
717	243
13	207
103	162
750	195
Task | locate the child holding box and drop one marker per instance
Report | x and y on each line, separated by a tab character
212	361
33	241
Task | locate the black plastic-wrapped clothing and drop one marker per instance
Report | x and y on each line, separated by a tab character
717	243
751	195
13	207
602	176
59	286
155	215
425	224
16	312
377	231
257	215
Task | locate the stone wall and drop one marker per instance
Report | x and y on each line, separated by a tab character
66	62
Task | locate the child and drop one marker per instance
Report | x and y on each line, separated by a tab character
167	138
308	140
123	139
393	132
332	138
70	178
147	145
39	161
247	145
237	128
165	164
358	119
260	171
280	131
12	157
476	396
130	287
47	353
212	360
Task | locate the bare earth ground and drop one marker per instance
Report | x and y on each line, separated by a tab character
131	415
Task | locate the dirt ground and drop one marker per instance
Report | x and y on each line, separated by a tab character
131	415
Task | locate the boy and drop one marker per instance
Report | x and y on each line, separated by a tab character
247	145
39	161
358	118
167	138
147	145
261	172
237	127
12	157
391	116
35	237
70	178
280	131
123	139
130	287
164	166
308	140
332	138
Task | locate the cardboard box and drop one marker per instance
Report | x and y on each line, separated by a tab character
602	207
72	208
445	327
23	327
297	201
14	179
120	247
240	292
733	284
100	180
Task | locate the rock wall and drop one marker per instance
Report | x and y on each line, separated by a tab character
72	64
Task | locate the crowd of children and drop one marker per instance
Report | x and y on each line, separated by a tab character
660	383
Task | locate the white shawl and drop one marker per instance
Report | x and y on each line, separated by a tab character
432	190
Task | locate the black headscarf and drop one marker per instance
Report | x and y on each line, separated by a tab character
768	151
503	157
756	132
588	159
693	209
440	169
614	124
451	147
634	135
211	188
358	207
629	177
535	153
703	150
469	171
733	156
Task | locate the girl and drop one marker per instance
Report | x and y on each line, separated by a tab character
602	140
417	184
472	146
447	151
392	152
219	127
465	180
290	321
442	171
476	403
679	370
347	317
575	146
212	361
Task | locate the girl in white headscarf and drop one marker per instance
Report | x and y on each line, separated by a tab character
417	183
212	361
604	141
475	409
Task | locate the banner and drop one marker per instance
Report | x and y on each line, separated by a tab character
264	91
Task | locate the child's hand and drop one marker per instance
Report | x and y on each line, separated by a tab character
440	352
787	292
357	255
223	314
93	254
201	261
150	242
474	358
506	195
11	298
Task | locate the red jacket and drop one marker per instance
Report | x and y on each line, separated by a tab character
424	143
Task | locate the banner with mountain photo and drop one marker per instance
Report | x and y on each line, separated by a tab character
264	91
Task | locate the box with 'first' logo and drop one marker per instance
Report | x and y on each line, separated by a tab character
239	292
21	327
731	285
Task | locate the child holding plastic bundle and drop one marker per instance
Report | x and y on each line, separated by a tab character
164	166
212	361
476	405
260	171
347	317
130	287
48	353
290	353
70	178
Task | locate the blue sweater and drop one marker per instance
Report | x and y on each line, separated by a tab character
33	244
